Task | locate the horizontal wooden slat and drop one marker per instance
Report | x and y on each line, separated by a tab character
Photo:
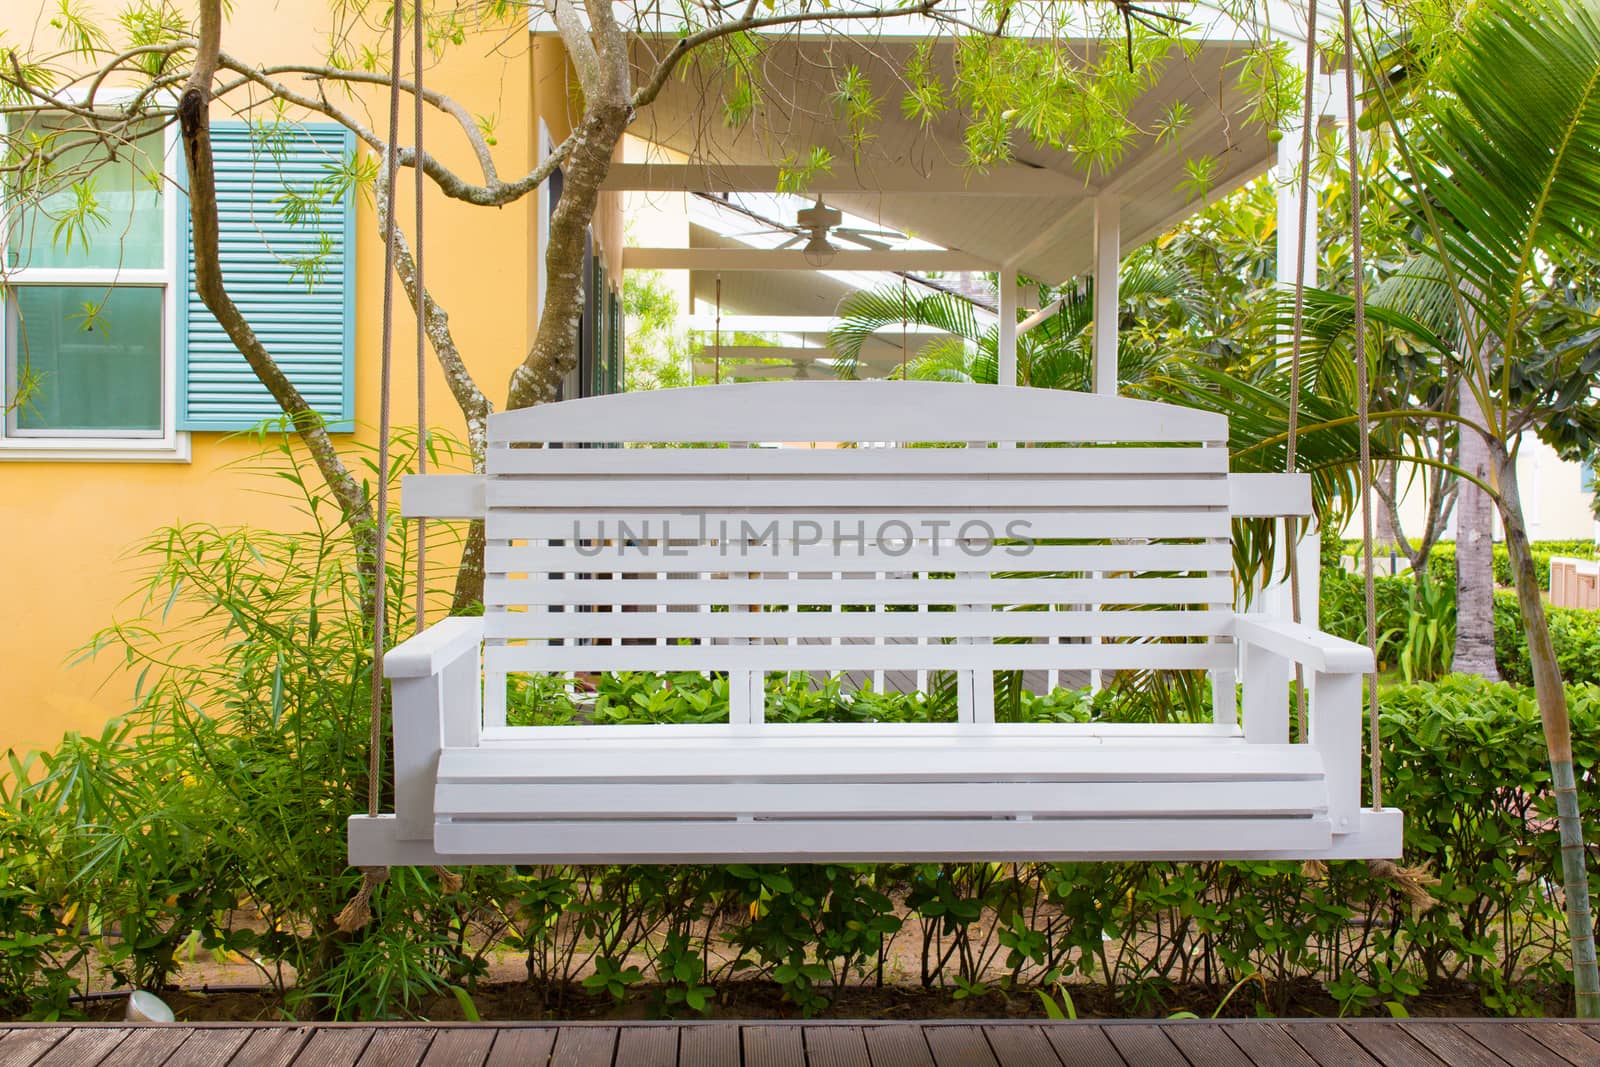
781	657
377	841
875	734
1269	495
942	522
443	496
857	411
479	800
629	556
754	591
860	624
845	491
1130	460
875	754
882	840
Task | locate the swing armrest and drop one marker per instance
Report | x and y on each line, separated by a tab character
435	648
1317	651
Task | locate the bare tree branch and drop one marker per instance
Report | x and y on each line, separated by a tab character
580	49
195	124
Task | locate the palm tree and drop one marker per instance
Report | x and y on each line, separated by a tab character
1054	355
1502	197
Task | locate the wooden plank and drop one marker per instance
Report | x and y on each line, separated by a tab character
709	1044
893	755
857	411
647	1046
1265	1044
1328	1045
523	659
960	1046
1128	461
1447	1041
638	552
1391	1045
839	799
397	1047
1566	1041
934	625
1066	736
1082	1044
972	524
1511	1044
334	1048
151	1044
1145	1045
1207	1043
1021	1046
875	591
773	1046
898	1045
211	1047
79	1048
521	1046
584	1046
272	1047
460	1048
836	1046
24	1047
987	491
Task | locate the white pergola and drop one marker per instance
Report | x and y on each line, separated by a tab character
1041	215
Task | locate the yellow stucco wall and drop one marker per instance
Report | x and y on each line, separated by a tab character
65	526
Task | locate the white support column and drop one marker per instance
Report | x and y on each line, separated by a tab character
1291	211
1107	258
1007	371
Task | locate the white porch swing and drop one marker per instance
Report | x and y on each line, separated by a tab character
986	555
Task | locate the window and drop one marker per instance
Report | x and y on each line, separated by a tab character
1586	476
90	298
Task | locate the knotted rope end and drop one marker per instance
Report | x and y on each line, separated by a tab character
358	912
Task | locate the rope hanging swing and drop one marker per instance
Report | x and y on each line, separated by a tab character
489	797
358	912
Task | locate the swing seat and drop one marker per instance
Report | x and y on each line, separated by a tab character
1040	532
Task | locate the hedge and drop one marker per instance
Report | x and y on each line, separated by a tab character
1464	758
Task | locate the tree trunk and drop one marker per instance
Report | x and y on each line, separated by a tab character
475	407
1474	652
194	123
555	346
1386	519
1552	698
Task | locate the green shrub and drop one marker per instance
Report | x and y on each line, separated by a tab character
213	815
1442	559
1574	632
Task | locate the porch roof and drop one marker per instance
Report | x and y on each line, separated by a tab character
1035	215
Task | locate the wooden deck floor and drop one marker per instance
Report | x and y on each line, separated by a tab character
823	1044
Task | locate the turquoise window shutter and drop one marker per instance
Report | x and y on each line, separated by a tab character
266	260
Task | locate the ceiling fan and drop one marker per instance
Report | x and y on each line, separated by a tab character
816	223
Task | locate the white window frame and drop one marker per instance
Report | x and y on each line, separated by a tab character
170	445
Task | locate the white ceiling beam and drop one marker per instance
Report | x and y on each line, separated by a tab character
944	180
743	259
790	324
1048	236
788	352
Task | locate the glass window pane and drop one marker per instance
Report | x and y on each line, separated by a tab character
85	358
90	206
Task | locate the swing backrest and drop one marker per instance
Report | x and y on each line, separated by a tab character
771	527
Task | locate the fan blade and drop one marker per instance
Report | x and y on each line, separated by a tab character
894	235
857	238
791	242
